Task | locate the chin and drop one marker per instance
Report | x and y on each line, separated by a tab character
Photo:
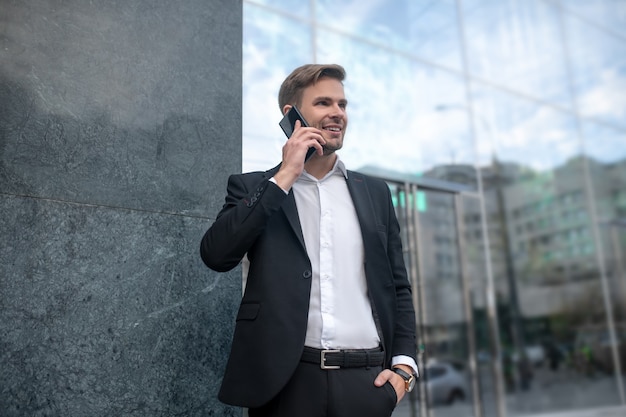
329	150
333	145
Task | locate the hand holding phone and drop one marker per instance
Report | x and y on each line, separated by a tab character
288	124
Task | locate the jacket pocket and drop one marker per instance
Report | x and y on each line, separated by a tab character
248	311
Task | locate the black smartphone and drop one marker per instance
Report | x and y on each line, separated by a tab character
288	123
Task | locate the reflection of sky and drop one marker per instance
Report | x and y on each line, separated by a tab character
599	69
406	90
609	14
603	143
421	29
270	52
517	130
517	44
395	116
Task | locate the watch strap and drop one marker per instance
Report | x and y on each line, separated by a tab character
409	380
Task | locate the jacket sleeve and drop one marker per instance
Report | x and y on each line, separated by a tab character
404	342
250	201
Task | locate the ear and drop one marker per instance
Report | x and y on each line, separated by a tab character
286	108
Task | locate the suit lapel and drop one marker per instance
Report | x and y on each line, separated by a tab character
364	208
289	208
291	212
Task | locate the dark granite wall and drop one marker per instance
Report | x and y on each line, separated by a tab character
119	123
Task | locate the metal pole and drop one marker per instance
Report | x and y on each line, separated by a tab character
490	288
425	410
416	274
615	351
606	294
519	340
591	206
617	249
467	305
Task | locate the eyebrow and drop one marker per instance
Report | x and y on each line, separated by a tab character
343	100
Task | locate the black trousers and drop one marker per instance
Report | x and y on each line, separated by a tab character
346	392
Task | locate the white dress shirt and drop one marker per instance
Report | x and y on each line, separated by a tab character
340	313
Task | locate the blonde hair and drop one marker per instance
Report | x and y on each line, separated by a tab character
291	89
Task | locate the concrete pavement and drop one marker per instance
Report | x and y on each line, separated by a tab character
565	393
593	412
403	410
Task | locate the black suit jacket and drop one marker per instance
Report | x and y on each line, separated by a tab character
260	220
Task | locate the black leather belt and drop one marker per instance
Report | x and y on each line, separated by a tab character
349	358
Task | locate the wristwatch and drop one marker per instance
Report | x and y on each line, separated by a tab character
409	380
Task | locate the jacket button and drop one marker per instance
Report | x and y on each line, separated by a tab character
307	274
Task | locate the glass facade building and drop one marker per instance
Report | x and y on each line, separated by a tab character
500	126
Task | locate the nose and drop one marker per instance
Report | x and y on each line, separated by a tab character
338	111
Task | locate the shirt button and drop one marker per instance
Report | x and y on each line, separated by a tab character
306	274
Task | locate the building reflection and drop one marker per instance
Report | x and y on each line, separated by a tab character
551	311
550	231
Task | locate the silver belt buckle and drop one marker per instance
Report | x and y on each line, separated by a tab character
323	359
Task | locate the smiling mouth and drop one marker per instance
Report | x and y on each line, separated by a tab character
333	129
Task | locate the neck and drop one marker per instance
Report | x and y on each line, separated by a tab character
319	166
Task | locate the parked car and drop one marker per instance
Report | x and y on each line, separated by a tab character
445	383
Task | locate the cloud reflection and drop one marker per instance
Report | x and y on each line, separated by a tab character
403	63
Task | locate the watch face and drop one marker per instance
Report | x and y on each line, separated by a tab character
411	384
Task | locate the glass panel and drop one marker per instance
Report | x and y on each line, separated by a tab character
272	47
609	15
544	257
477	273
446	350
394	119
615	235
604	143
409	117
532	135
292	7
425	29
517	44
599	71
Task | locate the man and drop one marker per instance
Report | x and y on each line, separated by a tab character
326	325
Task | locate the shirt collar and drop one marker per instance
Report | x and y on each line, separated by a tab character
339	165
338	169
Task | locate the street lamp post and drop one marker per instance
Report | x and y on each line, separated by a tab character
490	297
619	272
514	309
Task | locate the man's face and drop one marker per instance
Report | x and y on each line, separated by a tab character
324	107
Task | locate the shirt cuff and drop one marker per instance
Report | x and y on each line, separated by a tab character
405	360
274	181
